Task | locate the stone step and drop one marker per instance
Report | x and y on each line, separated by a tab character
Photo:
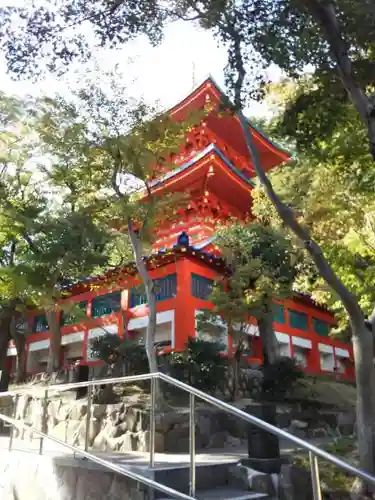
208	477
227	494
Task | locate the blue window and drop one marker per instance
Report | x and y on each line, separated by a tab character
74	314
106	304
298	320
201	287
279	313
321	327
40	323
165	288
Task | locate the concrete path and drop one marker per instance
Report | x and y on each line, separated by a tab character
140	459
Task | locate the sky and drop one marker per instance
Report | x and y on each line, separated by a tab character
163	74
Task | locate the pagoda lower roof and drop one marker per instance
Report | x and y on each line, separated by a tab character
159	259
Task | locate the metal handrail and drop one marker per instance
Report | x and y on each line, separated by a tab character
105	463
270	428
314	451
79	385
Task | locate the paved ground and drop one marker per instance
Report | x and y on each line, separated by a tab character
140	459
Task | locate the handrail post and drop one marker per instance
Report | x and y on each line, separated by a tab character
44	421
314	467
11	437
192	485
88	417
152	422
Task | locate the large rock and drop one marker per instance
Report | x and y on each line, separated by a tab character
261	483
98	411
78	411
294	483
346	423
143	441
164	422
218	440
69	432
298	424
177	440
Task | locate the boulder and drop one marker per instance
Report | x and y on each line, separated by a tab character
127	442
100	442
164	422
218	440
260	482
234	443
131	419
346	423
94	428
78	411
283	419
69	432
143	438
98	411
298	424
318	433
294	483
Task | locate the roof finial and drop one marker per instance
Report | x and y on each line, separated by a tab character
193	76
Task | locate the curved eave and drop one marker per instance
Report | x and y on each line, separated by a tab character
210	83
211	148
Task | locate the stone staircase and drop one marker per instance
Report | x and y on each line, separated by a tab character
227	481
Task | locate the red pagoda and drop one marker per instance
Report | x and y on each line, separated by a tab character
215	170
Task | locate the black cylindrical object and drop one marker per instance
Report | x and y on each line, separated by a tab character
263	447
4	380
82	376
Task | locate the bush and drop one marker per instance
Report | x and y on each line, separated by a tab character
280	377
114	350
105	348
200	365
134	357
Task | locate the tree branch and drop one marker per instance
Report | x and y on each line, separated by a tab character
326	16
288	217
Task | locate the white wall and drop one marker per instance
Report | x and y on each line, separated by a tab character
72	351
300	355
94	333
165	329
327	359
37	360
222	328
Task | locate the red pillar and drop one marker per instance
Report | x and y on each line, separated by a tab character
314	358
85	343
184	311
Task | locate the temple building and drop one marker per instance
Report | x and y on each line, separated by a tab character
215	171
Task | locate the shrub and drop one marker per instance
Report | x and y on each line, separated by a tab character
280	377
113	350
105	348
134	357
200	365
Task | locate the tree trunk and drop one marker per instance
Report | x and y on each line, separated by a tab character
151	298
268	337
20	342
54	355
4	340
363	346
363	342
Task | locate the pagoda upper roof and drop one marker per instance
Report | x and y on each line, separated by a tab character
226	181
227	125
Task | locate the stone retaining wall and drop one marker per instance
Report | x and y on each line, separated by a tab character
125	427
